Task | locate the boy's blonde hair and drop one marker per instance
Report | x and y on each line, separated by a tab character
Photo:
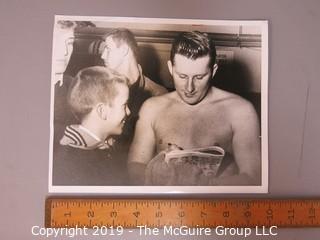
91	86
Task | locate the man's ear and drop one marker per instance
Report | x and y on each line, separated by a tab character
214	70
102	111
169	63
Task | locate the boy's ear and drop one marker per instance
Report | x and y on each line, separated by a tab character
102	110
169	63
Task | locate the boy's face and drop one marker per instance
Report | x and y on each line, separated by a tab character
119	111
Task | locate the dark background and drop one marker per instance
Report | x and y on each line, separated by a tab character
240	74
25	53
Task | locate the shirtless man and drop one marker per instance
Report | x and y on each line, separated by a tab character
198	115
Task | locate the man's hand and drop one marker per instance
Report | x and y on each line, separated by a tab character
159	172
174	173
186	174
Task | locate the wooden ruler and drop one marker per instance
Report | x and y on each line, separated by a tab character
130	213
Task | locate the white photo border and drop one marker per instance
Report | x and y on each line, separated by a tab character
137	190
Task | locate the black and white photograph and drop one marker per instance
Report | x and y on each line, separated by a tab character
155	105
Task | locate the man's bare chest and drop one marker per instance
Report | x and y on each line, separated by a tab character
191	129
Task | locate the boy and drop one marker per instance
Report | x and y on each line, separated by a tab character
98	98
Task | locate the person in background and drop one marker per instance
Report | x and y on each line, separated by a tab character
63	40
196	115
121	53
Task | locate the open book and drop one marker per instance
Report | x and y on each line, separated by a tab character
207	159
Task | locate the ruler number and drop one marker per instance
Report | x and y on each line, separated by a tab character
203	214
181	214
291	214
247	214
312	212
90	214
226	214
113	214
269	214
158	214
67	214
136	214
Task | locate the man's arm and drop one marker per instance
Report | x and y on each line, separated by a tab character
246	146
143	146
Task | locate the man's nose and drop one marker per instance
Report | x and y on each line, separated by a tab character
190	86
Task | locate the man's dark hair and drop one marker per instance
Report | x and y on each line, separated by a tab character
194	45
123	35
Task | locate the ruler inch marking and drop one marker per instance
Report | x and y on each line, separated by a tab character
189	212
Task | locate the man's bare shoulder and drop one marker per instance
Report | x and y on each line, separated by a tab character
234	104
157	104
229	99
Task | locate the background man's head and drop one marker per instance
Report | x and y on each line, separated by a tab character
119	44
192	65
64	38
102	94
63	44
